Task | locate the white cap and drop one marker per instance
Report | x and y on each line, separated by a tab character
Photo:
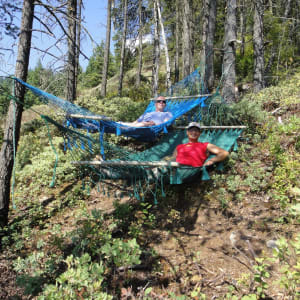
194	124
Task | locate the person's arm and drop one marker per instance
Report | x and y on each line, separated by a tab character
175	153
220	153
140	122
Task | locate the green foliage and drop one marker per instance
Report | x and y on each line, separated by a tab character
5	92
141	93
144	218
281	33
93	74
123	109
245	63
123	214
30	174
34	269
83	278
90	235
289	257
260	276
120	253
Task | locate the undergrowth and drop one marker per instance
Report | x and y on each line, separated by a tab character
63	250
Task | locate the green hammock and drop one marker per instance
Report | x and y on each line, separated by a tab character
133	165
142	171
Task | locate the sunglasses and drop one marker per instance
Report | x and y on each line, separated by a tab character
161	101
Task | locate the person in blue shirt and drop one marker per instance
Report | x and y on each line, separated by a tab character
156	117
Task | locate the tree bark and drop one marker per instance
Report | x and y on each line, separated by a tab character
156	53
287	8
242	25
228	89
71	64
258	45
141	24
176	65
78	42
168	69
14	115
186	43
208	33
125	7
107	50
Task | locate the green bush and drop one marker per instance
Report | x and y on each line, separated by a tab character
119	109
82	277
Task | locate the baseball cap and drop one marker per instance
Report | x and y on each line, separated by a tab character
194	124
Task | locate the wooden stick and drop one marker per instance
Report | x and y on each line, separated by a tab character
128	163
213	127
89	117
184	97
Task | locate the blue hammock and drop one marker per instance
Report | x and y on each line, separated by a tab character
178	107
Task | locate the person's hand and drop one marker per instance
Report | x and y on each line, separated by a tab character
148	123
208	163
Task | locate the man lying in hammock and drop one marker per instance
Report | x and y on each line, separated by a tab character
156	117
195	153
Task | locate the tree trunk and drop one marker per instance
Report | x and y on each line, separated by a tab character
228	89
258	45
107	50
125	3
207	59
156	53
71	77
186	43
78	41
168	69
271	6
141	24
287	8
14	115
242	26
176	65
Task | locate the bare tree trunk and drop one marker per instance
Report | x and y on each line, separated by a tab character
78	43
192	39
287	8
12	130
258	45
107	50
228	89
156	53
176	67
125	3
186	43
242	25
141	24
271	6
168	69
208	33
71	79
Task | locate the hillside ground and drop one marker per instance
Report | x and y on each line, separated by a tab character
235	236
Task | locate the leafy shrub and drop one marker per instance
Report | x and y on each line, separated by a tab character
141	93
122	254
119	109
34	269
83	279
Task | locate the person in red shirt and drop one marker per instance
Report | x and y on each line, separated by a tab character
195	153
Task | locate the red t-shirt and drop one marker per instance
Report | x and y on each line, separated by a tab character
192	154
